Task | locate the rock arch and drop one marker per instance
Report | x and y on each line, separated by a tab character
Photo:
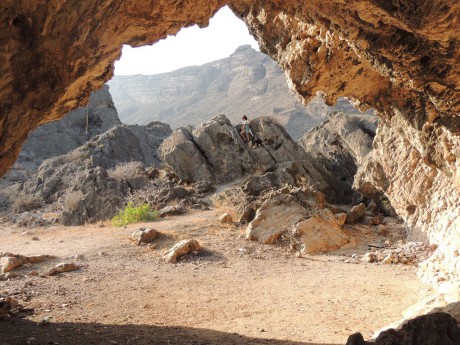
399	57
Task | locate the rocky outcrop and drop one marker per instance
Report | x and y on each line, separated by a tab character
91	182
339	146
436	328
61	137
421	191
298	214
247	82
216	152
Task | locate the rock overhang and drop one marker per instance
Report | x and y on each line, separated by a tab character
401	58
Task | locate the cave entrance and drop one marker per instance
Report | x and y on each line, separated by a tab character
233	285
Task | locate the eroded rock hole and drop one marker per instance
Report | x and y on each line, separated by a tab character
191	172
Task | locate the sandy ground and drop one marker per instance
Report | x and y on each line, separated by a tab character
234	292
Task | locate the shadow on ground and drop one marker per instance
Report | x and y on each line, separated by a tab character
20	332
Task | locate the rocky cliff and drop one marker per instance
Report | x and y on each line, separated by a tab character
399	57
60	137
248	82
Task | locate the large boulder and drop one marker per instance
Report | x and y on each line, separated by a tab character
320	233
431	329
215	152
94	197
180	152
275	217
339	146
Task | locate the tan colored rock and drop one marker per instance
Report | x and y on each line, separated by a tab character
340	218
10	261
62	268
360	49
226	218
181	248
6	304
144	235
369	257
320	233
274	217
356	213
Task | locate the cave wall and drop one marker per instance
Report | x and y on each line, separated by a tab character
401	57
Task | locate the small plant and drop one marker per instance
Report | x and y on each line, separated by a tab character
134	214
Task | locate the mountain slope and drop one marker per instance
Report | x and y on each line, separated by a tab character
248	82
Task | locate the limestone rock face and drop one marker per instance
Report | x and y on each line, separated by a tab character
215	151
339	146
61	137
422	192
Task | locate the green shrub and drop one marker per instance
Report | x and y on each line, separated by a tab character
135	214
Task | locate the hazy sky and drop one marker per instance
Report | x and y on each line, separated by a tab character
191	46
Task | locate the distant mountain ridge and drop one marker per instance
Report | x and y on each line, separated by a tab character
248	82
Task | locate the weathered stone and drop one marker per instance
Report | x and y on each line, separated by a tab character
274	217
248	215
320	233
172	210
226	218
202	187
436	328
181	248
339	145
144	235
10	261
62	268
369	257
215	152
340	218
6	304
356	213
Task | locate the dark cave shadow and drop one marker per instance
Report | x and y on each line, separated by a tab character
18	331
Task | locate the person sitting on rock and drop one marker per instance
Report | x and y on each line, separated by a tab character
245	129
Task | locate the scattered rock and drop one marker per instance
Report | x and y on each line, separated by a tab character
181	248
248	215
409	253
320	233
356	213
202	187
369	257
226	218
340	218
10	261
63	267
172	210
6	305
144	235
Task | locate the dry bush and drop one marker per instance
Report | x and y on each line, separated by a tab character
26	202
72	199
127	170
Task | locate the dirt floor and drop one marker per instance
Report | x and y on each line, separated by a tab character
234	292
